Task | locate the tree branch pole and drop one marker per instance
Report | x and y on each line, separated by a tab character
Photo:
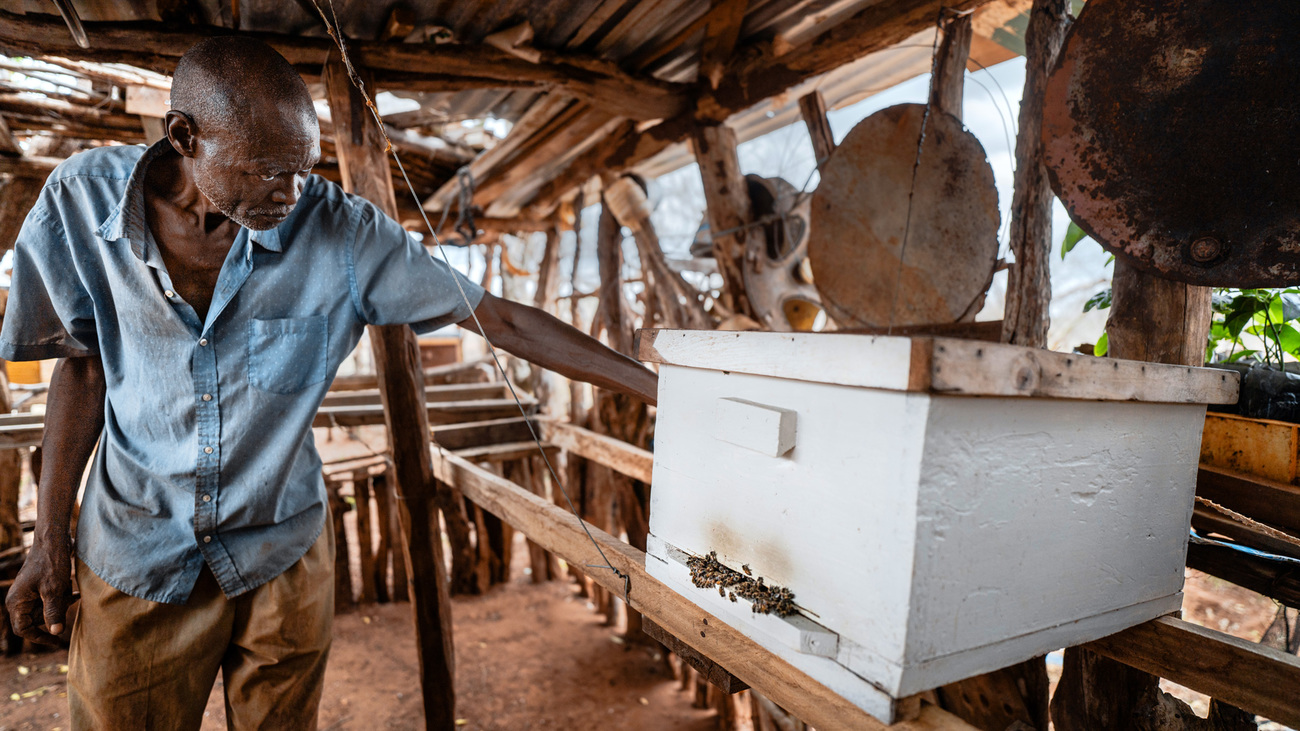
365	171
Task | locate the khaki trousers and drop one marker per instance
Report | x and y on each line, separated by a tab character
137	664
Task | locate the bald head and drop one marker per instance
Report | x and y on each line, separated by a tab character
245	124
230	82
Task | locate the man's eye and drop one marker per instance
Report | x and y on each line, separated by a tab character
267	178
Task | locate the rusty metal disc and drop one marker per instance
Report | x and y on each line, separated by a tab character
1171	133
859	215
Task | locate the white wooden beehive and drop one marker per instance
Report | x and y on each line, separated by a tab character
940	508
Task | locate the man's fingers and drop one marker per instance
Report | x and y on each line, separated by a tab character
55	599
23	614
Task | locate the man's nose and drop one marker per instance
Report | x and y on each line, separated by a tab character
289	191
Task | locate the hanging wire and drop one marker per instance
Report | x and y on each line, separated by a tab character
336	33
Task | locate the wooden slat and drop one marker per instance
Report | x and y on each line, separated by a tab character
720	38
813	108
1274	503
437	374
448	412
613	453
559	531
504	452
432	394
423	67
1250	676
480	433
937	365
1280	581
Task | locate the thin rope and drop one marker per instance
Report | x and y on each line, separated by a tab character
1250	522
337	35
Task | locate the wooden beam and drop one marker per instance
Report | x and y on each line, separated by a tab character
1029	285
480	433
712	672
729	211
363	161
82	114
618	455
755	73
28	167
8	147
720	38
1253	677
504	452
402	66
432	394
1274	503
64	128
450	373
1272	579
813	108
558	531
447	412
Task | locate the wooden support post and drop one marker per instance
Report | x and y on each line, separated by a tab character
7	144
813	108
365	171
343	598
949	81
365	536
383	526
730	212
1029	285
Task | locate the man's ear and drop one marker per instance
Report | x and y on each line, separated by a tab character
181	132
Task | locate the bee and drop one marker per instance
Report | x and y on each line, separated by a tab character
746	568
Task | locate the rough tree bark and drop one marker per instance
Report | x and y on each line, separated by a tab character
1029	288
730	212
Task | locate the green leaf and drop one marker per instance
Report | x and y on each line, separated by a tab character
1289	338
1239	355
1103	345
1099	301
1073	235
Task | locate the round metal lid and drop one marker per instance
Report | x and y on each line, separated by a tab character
1171	133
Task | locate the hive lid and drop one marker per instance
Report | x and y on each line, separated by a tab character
936	365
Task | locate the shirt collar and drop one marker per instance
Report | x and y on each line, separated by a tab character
128	217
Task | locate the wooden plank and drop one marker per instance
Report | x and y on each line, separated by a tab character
7	144
712	672
28	167
444	374
937	365
447	412
363	161
504	452
1253	677
948	80
615	454
432	394
1262	448
559	531
813	108
409	66
1268	501
729	211
1280	581
989	331
480	433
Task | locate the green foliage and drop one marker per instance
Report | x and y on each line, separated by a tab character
1265	314
1103	345
1099	301
1073	235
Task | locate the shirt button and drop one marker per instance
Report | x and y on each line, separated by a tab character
169	294
203	342
207	498
207	397
207	539
207	450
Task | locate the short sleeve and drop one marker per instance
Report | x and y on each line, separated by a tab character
50	313
395	281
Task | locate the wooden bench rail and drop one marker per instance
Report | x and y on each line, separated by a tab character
1252	677
558	531
613	453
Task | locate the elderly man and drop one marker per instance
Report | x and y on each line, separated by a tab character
200	295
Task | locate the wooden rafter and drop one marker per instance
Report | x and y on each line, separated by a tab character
753	74
158	46
720	39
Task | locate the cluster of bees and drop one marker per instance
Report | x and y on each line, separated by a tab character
708	573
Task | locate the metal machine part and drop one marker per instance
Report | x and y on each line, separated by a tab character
1171	133
896	240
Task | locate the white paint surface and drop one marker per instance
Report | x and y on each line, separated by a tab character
765	429
938	536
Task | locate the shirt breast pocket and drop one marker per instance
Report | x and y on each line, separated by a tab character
287	355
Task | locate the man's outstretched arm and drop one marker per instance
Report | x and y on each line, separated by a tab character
539	338
74	418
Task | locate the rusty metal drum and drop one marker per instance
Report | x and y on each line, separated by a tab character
1171	133
866	277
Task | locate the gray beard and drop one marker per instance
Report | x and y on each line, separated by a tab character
229	211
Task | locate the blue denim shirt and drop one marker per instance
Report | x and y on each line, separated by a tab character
207	453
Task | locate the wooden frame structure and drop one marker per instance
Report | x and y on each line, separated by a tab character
1256	679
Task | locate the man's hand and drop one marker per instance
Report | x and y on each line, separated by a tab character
38	600
540	338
